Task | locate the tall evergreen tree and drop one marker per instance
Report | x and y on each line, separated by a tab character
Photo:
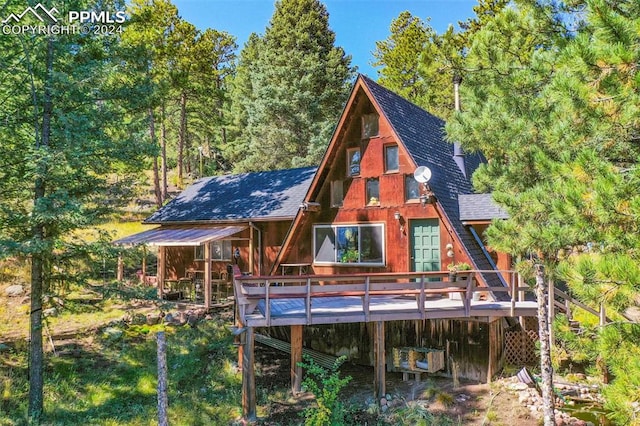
420	64
554	108
298	86
68	130
399	56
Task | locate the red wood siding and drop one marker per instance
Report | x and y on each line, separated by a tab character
355	209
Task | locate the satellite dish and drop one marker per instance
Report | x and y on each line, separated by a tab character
422	174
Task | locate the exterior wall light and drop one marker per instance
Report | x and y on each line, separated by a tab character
449	248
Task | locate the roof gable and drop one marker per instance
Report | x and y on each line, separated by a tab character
248	196
423	136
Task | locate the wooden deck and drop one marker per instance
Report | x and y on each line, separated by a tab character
296	301
350	309
320	299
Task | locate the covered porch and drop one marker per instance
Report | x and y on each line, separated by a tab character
193	261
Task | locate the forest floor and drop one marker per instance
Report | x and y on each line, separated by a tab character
434	399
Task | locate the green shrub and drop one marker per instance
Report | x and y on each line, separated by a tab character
325	385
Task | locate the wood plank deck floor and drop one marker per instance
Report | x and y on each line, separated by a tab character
329	310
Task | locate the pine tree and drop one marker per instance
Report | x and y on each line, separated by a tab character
69	127
554	109
399	56
298	84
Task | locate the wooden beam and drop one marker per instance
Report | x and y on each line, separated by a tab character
207	276
120	272
551	311
251	248
248	376
161	270
379	361
296	357
492	337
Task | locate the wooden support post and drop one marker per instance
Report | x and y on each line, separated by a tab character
492	337
120	272
251	249
144	265
207	275
379	361
296	357
248	376
603	315
163	401
552	312
520	297
162	250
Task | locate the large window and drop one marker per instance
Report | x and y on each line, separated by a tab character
391	163
349	244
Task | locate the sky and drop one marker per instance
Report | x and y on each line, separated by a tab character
358	24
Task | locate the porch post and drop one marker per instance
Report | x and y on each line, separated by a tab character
379	361
144	266
296	357
207	275
248	376
251	254
161	270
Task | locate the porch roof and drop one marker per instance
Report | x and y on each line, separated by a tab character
180	236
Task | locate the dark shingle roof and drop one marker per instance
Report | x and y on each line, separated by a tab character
252	196
479	207
424	137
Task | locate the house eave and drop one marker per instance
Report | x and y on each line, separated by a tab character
220	222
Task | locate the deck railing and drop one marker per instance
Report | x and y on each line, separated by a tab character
250	290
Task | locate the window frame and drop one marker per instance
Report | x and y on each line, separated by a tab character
407	198
198	254
350	164
369	197
337	249
223	252
365	120
386	156
334	193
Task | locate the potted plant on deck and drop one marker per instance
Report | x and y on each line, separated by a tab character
455	267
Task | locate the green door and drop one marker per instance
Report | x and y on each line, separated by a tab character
425	245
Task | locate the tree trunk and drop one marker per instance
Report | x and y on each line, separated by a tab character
163	401
156	172
36	356
182	136
163	146
545	349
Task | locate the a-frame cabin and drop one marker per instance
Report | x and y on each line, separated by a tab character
371	245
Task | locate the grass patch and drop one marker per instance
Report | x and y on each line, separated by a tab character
112	381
